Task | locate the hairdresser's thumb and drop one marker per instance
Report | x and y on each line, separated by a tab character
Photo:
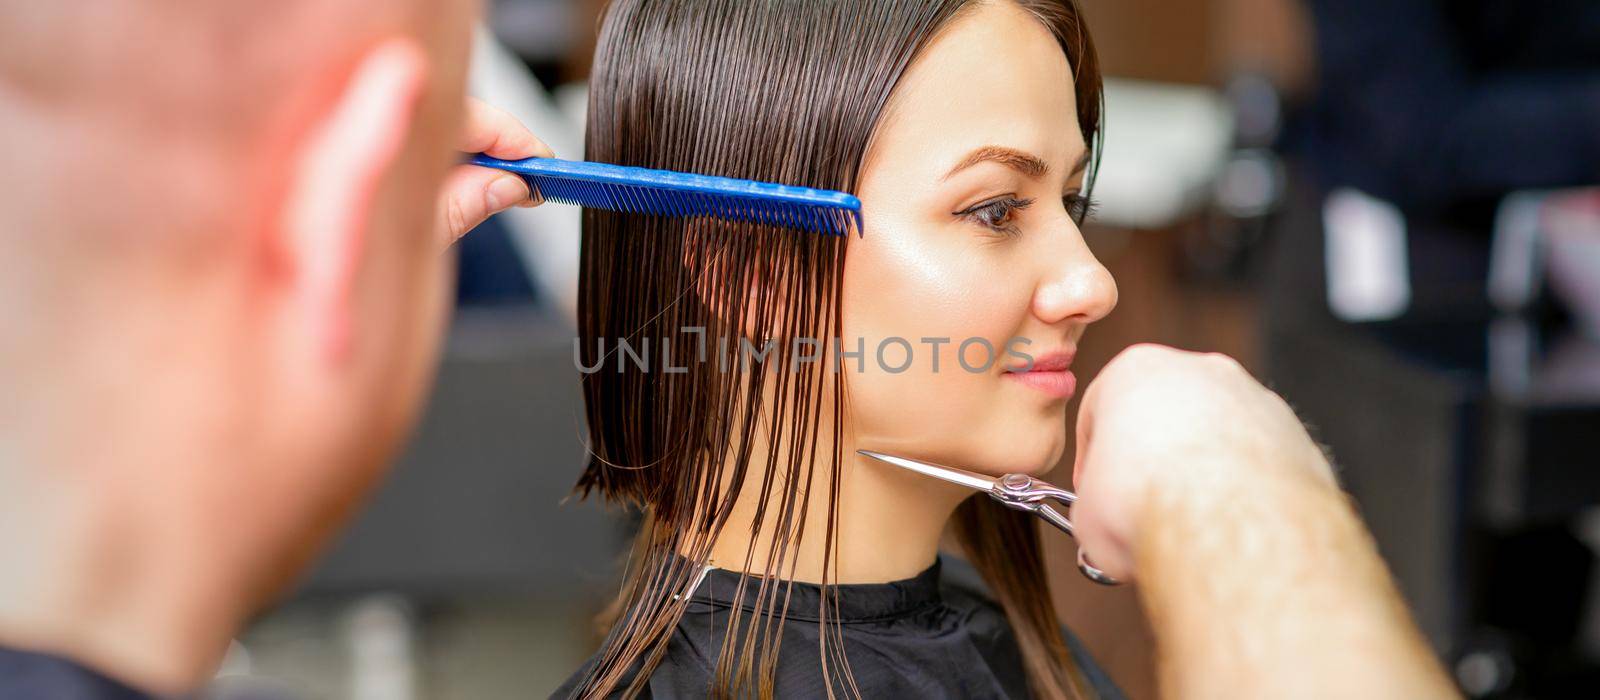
472	194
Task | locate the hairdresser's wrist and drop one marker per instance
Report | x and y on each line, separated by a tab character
1217	482
1272	587
1238	490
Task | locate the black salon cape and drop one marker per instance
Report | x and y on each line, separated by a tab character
28	674
933	636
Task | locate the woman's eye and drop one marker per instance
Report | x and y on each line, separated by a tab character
997	214
1079	207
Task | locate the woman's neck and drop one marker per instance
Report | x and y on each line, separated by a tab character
889	526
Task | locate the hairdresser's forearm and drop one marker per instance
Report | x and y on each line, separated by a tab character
1274	589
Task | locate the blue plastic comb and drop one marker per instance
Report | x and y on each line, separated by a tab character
668	193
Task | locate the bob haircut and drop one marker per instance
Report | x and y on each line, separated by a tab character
786	91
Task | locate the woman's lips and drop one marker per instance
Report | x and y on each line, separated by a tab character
1048	374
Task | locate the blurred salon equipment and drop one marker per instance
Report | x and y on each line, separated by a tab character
1164	148
1429	310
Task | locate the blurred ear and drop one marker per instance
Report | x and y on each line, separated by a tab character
710	261
338	170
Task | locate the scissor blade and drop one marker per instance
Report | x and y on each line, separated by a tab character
950	474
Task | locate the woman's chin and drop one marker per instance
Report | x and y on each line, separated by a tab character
1033	467
1032	455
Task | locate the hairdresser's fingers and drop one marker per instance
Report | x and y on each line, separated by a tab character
494	131
1146	423
1161	426
1122	382
472	193
1104	475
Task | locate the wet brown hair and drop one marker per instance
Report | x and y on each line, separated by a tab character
787	91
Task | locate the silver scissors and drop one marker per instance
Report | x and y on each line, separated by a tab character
1018	491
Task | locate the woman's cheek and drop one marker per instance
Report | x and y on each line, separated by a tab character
911	279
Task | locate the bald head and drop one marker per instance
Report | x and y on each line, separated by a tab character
114	110
153	149
217	245
221	300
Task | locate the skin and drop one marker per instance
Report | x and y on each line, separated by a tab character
923	270
216	354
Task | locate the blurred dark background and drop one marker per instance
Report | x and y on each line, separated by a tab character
1384	208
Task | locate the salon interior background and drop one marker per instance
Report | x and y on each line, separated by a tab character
1379	206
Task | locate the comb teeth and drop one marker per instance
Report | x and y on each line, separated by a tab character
667	193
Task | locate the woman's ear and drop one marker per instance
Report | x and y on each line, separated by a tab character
336	173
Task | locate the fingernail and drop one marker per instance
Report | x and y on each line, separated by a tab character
504	192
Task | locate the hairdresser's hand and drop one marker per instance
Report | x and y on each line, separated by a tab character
472	193
1159	427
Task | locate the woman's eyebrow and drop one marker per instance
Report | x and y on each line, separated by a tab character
1021	161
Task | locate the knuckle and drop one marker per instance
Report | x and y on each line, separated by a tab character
1142	353
1223	361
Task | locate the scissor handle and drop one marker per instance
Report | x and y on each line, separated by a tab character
1054	517
1089	571
1027	493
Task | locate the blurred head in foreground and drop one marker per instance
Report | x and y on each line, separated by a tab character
220	296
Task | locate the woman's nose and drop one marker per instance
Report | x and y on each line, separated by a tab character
1075	288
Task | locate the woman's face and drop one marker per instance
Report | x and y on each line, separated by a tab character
968	195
